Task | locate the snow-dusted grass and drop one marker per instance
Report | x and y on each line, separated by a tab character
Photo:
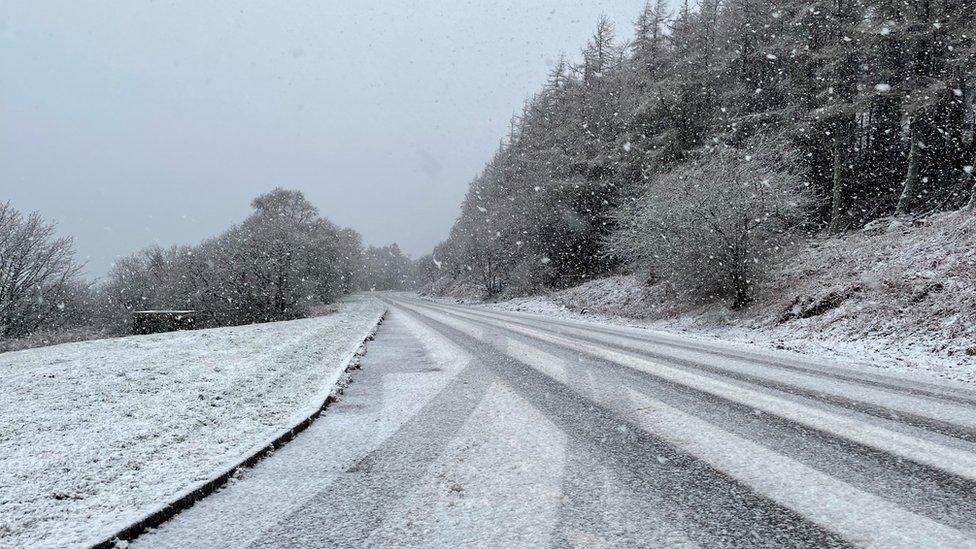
95	434
54	337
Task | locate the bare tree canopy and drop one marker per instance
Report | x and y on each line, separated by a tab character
278	263
38	273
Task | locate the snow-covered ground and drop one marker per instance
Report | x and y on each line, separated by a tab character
897	295
95	434
598	300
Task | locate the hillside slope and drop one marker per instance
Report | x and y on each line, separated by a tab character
904	285
894	294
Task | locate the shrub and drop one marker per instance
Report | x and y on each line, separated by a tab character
713	226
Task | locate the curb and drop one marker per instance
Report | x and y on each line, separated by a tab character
203	489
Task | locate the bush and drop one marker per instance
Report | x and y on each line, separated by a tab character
531	275
713	226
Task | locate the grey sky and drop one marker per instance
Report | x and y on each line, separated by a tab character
138	122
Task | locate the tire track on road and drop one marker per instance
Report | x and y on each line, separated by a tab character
919	524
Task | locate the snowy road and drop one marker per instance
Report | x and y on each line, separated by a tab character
471	427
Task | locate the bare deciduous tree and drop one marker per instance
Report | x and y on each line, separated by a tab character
37	273
275	265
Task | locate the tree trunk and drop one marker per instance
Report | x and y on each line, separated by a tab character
739	273
971	177
742	294
911	179
838	195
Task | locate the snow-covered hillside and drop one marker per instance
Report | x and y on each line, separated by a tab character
894	295
95	434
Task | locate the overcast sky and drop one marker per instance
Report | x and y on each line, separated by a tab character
136	122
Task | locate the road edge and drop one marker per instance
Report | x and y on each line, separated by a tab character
333	387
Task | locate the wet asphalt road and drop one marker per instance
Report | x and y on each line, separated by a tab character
468	427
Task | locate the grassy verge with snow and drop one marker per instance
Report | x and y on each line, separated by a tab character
95	434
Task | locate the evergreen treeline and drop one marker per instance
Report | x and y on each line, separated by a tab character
868	102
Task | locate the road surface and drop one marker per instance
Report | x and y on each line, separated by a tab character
469	427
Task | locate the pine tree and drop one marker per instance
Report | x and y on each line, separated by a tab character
874	97
648	46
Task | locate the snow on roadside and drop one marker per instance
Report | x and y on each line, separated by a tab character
623	300
97	433
906	358
898	295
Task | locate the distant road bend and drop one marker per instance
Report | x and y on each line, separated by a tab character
470	427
